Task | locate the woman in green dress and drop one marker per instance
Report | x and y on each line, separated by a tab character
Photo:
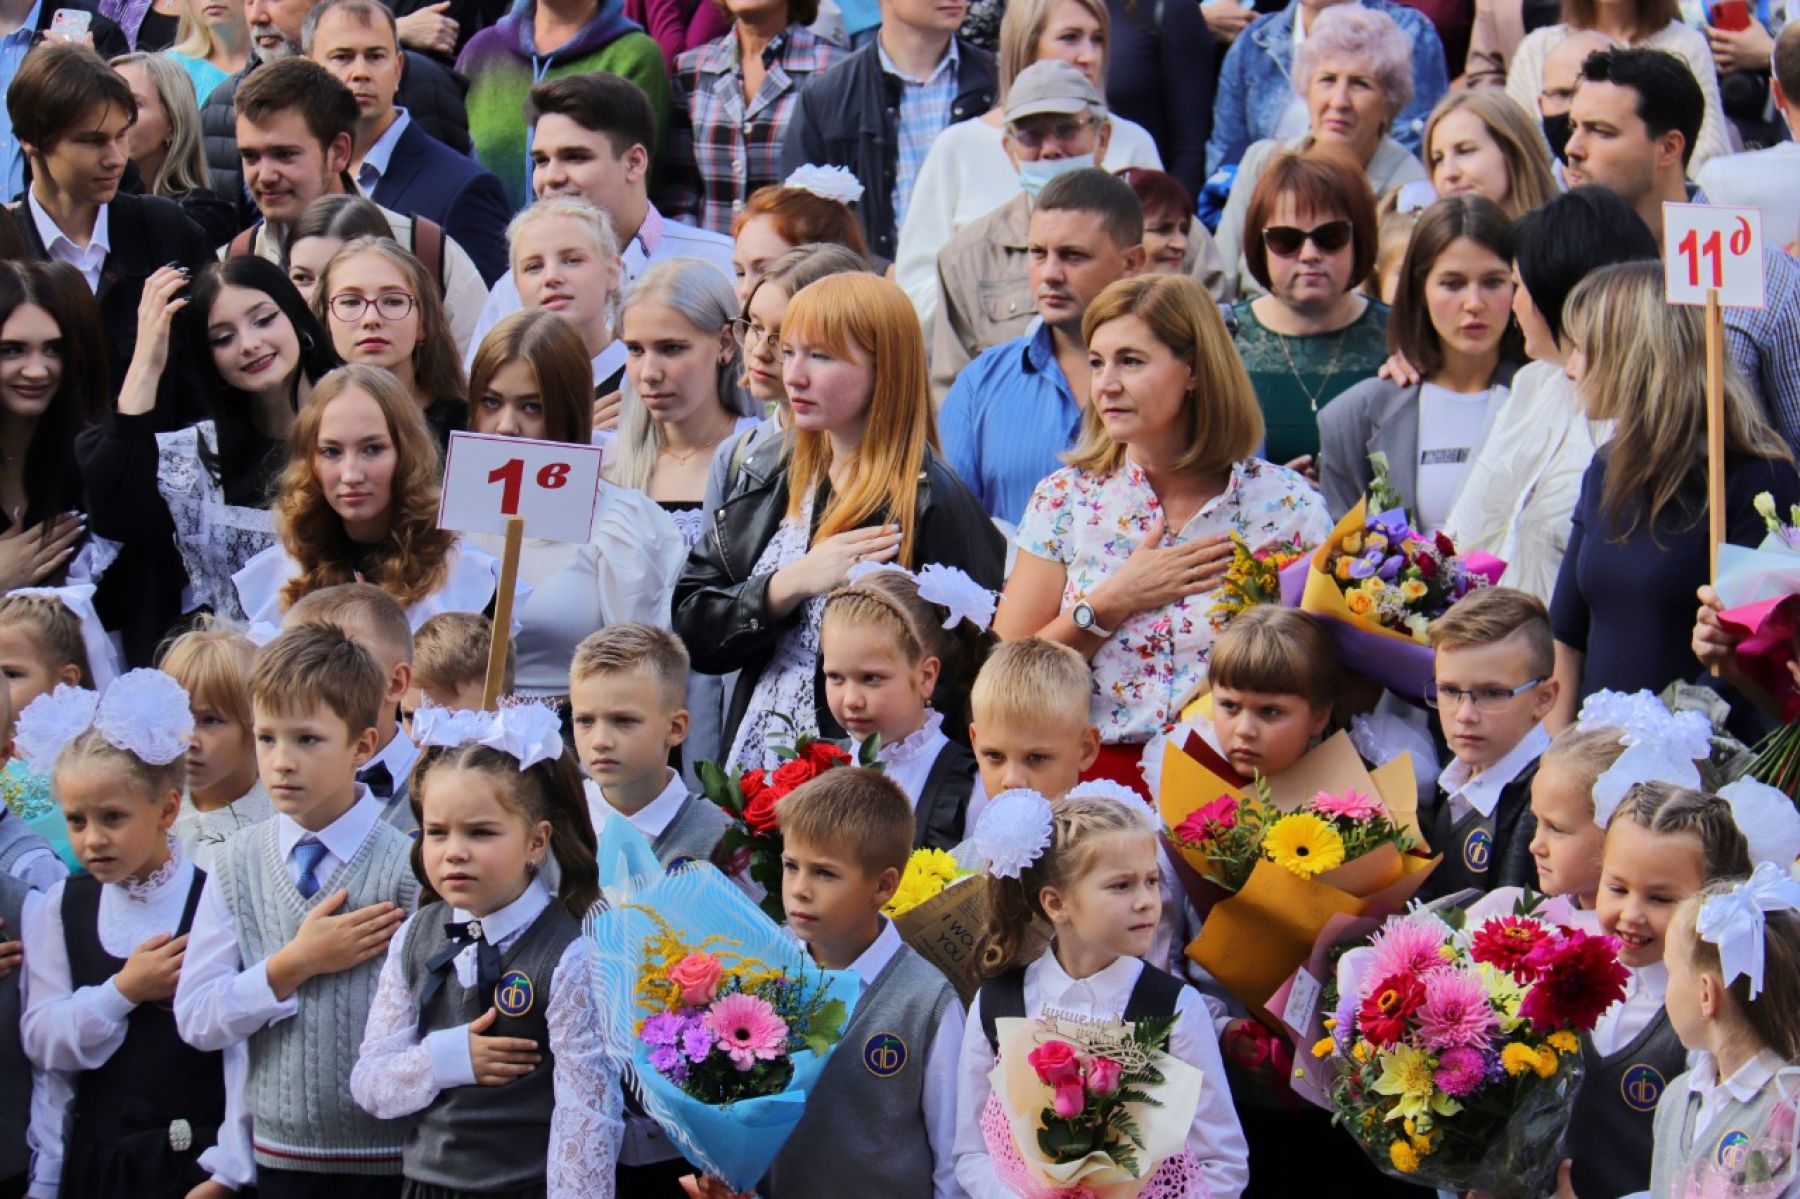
1311	240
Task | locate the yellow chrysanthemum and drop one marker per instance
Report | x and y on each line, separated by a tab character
1360	1051
1331	1024
1404	1157
1323	1047
928	871
1564	1041
1516	1059
1545	1065
1303	844
1421	1145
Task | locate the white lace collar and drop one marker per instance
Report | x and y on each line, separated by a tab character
148	888
927	740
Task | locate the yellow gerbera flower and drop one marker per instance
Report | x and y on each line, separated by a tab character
1404	1157
1564	1041
1516	1058
1304	845
1323	1047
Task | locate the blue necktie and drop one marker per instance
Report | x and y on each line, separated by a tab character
308	852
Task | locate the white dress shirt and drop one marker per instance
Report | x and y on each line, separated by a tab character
399	755
1744	1085
222	999
652	818
1216	1139
1618	1024
397	1073
67	1030
88	259
1467	790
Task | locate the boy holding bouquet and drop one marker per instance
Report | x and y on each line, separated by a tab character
1493	685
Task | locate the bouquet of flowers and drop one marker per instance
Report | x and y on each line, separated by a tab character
749	799
940	910
1457	1052
723	1021
1377	584
1254	577
1760	589
1089	1110
1268	864
1752	1164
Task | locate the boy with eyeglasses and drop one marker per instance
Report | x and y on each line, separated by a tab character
1493	685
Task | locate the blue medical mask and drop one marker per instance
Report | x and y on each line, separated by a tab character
1033	175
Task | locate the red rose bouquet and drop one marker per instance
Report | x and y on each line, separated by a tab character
753	843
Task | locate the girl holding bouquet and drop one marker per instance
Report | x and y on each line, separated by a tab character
1087	866
1662	845
1734	998
485	1034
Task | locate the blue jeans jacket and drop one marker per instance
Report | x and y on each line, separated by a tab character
1254	86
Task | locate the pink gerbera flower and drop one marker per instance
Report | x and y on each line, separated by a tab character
1351	805
1406	946
1456	1011
747	1029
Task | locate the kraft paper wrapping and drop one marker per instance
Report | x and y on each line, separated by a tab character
1024	1096
946	929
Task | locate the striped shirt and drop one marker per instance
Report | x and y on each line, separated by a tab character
924	113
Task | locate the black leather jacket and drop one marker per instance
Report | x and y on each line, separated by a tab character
722	608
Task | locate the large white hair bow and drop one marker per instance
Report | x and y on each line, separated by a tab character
1767	819
832	182
78	598
1013	831
530	732
1660	745
1734	920
960	596
144	712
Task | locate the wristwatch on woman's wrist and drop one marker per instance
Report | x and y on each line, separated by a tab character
1088	620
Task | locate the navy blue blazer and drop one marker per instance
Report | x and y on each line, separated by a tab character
424	177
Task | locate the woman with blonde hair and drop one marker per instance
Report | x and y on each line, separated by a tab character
212	43
358	502
1120	551
1482	142
381	307
859	480
967	173
531	379
564	258
1623	607
164	142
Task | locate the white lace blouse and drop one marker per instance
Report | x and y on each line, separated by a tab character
468	586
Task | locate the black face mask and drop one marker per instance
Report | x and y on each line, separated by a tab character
1556	131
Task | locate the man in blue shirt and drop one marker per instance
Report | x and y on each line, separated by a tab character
1019	405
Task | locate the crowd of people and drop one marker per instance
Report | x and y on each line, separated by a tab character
944	355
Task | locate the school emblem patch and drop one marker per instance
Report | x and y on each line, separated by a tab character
1478	850
514	994
686	859
884	1054
1641	1087
1733	1147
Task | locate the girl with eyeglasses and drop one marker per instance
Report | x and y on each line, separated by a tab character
382	308
1314	333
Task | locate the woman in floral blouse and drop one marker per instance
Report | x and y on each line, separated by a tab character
1119	551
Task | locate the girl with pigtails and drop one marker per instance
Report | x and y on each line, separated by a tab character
484	1034
1086	865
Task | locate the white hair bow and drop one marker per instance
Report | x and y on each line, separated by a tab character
1767	819
1660	745
78	598
144	712
951	589
1013	831
1121	794
530	732
1734	920
831	182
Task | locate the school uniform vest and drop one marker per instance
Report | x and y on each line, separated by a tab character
16	840
122	1139
693	834
299	1087
1681	1144
491	1138
1614	1112
15	1070
943	804
865	1119
1484	852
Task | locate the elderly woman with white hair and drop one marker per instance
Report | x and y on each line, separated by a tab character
1354	73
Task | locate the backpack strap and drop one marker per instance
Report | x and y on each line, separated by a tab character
428	248
244	243
1001	996
1153	996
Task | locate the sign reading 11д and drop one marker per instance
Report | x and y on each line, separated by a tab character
548	490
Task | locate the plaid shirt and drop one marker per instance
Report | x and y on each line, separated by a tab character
720	149
924	113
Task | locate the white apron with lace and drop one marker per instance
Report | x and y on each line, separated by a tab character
216	539
785	690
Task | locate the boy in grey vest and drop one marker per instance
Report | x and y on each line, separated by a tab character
287	945
375	620
885	1106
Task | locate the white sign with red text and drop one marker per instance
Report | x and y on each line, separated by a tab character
1713	248
553	485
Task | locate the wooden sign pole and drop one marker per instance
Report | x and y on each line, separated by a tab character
1715	427
503	611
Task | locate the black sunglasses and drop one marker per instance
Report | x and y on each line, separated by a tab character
1284	241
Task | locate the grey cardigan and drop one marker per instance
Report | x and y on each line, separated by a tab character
1375	415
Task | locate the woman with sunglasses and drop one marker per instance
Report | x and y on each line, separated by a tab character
381	308
1314	334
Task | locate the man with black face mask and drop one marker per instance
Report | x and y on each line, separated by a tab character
1562	72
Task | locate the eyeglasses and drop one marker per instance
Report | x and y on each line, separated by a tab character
1284	241
348	307
748	333
1485	699
1029	137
